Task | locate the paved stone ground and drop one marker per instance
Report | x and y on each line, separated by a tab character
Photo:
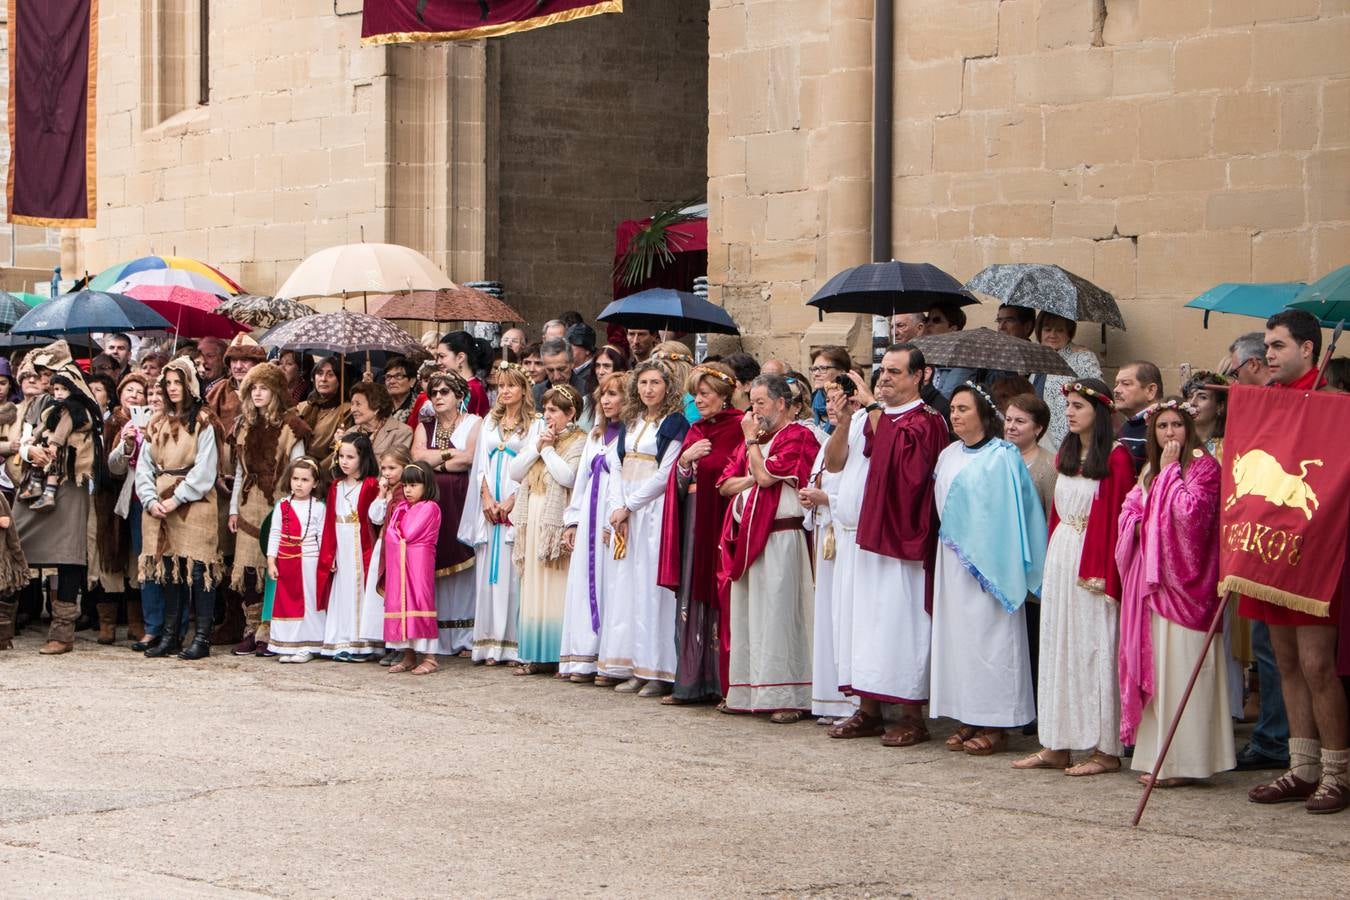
228	778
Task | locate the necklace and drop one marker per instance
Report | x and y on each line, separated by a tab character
309	517
441	437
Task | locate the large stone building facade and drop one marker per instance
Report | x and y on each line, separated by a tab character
511	159
1156	147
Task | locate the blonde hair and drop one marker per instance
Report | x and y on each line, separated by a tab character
617	381
635	410
514	375
677	358
718	376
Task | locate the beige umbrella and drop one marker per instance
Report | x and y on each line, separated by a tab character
363	268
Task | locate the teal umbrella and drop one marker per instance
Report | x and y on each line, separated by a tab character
1259	300
1328	298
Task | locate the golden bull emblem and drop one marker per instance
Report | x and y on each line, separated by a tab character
1260	474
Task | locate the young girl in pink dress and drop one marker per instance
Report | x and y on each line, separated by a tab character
410	534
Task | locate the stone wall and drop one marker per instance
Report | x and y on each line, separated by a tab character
1155	147
598	121
289	156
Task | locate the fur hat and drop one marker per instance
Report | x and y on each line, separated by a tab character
269	376
130	377
187	371
244	347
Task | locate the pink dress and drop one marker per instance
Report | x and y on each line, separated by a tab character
410	577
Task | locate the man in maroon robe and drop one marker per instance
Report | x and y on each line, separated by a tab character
767	560
901	438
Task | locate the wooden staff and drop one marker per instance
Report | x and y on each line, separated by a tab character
1181	707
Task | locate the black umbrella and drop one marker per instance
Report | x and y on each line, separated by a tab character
29	341
88	311
663	309
887	288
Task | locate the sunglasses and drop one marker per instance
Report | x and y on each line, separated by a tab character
440	392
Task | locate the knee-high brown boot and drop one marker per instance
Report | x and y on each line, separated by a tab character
61	634
107	622
135	620
8	609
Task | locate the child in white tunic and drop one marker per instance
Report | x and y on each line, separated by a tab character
293	549
349	502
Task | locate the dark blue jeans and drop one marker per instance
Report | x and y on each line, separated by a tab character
1270	737
152	593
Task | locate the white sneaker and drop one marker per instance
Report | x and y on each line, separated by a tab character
303	656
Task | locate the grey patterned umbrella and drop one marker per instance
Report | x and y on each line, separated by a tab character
340	332
1050	288
262	312
983	348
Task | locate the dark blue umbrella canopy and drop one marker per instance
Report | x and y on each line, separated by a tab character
87	311
887	288
660	309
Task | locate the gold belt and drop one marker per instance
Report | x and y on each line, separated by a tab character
1077	523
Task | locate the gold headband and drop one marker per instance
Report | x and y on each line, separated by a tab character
1079	388
720	376
504	366
678	357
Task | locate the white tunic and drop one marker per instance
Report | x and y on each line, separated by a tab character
846	495
891	629
981	656
497	586
1079	701
637	635
826	698
291	636
347	598
580	639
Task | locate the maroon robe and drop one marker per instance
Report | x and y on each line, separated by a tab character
793	452
899	515
370	488
451	489
724	431
1097	569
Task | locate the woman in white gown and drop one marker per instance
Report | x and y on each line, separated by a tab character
486	523
981	663
591	567
637	637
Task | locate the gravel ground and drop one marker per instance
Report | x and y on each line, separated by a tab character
129	777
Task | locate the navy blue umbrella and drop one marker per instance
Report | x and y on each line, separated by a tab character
887	288
663	309
88	311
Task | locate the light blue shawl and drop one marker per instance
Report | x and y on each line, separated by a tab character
993	521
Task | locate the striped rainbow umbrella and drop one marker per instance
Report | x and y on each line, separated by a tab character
165	271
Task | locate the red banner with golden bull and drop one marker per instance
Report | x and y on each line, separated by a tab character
1285	505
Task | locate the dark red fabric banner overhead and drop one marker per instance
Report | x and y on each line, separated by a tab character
402	21
53	73
1286	492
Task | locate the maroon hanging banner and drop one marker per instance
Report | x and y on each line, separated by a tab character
1286	492
53	77
404	21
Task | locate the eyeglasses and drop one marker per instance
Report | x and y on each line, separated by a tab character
817	370
440	392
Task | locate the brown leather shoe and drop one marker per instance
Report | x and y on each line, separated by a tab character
247	647
1329	798
1287	788
52	648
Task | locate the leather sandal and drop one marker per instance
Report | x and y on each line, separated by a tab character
1039	760
1329	797
425	667
858	725
786	716
1098	763
906	733
987	742
1286	788
957	741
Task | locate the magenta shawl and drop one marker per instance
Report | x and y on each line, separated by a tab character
1168	555
410	571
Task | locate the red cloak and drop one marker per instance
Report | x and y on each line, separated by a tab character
370	488
899	516
1097	567
724	431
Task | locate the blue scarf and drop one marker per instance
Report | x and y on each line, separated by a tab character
993	521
